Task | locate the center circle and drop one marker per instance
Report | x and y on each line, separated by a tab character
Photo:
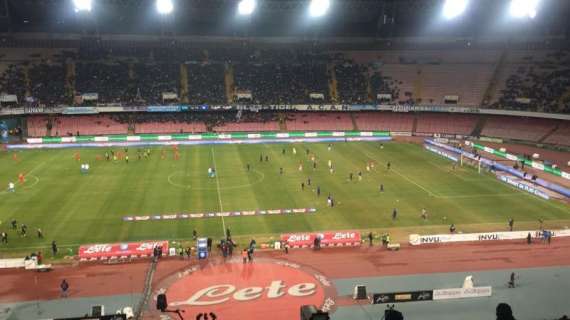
183	180
235	290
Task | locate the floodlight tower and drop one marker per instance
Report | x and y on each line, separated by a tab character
319	8
454	8
82	5
246	7
524	8
164	7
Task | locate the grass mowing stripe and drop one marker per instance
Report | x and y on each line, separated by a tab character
218	189
400	174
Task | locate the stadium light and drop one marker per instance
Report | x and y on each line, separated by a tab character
523	8
246	7
454	8
82	5
319	8
164	6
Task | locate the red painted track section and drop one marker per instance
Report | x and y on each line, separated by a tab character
90	280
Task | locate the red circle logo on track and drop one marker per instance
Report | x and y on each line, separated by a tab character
268	290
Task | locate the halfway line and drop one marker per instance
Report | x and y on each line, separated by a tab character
218	189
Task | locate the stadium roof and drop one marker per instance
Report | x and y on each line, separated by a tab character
375	18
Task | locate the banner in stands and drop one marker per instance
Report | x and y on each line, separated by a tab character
460	293
117	250
317	96
328	239
416	239
80	110
91	96
9	98
166	108
407	296
169	96
216	136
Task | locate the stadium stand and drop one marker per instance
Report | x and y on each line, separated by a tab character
318	121
446	123
535	81
561	136
39	126
518	128
401	122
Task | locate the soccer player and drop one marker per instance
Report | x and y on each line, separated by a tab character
248	167
176	155
381	188
283	151
107	156
4	237
40	233
261	158
330	164
266	158
14	224
77	156
388	166
394	214
318	191
329	147
23	230
314	165
15	157
302	186
424	214
281	171
350	176
300	166
309	181
11	187
294	150
359	175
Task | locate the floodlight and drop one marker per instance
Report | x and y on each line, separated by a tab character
82	5
454	8
524	8
164	6
318	8
246	7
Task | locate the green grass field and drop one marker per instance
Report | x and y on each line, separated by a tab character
76	209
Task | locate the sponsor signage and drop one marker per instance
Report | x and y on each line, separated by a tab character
328	238
269	286
181	216
416	239
460	293
80	110
129	249
525	186
409	296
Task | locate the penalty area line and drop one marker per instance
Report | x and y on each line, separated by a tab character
218	189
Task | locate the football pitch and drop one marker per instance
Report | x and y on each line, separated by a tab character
74	208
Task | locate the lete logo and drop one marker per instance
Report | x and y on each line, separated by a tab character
98	248
221	293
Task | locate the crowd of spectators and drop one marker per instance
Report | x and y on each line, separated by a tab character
50	92
151	80
380	84
539	85
109	80
206	84
13	81
352	82
138	75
